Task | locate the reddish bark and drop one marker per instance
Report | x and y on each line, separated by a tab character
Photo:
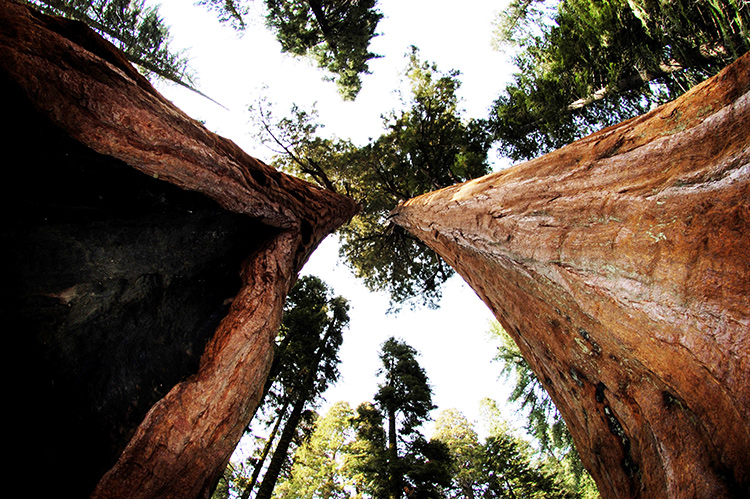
620	264
71	79
186	439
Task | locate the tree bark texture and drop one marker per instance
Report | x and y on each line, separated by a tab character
620	264
183	445
61	75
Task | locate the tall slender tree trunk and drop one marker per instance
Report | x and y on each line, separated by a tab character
266	450
305	394
280	453
394	472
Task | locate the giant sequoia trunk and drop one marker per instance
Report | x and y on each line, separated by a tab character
620	264
146	263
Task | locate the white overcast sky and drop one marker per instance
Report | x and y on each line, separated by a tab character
234	70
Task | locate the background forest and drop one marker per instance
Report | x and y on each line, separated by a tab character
560	70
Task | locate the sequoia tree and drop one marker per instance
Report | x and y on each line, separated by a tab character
148	260
620	265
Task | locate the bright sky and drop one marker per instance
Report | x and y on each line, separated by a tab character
455	350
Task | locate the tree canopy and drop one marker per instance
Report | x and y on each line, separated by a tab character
136	29
503	465
335	34
368	455
414	467
424	147
319	464
586	64
404	394
458	434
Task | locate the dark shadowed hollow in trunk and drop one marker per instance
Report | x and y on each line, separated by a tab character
117	281
146	263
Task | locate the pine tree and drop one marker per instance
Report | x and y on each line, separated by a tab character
587	64
307	360
414	467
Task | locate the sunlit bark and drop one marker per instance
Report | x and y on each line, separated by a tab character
621	266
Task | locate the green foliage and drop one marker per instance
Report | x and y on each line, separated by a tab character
223	487
510	471
594	63
300	151
336	34
427	469
543	420
466	453
521	21
135	29
378	451
404	391
309	339
347	452
504	465
368	457
424	147
232	12
305	365
319	464
414	466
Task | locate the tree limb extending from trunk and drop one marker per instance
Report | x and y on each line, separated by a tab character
634	81
320	17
